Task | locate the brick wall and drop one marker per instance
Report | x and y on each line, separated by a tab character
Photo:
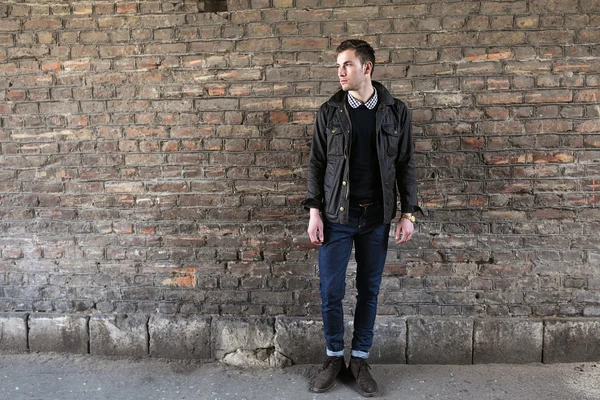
153	156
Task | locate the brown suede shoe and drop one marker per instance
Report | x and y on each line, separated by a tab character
330	370
365	384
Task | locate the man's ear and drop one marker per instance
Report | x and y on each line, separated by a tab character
368	66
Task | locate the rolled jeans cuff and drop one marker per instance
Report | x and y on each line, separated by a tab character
360	354
335	353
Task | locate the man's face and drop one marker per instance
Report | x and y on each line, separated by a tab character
351	72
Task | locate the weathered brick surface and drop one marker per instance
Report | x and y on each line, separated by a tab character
154	156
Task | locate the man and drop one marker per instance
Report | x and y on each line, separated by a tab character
361	151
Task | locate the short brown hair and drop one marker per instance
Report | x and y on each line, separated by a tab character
362	49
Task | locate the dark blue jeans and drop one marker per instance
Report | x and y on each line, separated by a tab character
369	235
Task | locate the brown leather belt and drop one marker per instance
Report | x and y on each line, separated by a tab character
368	204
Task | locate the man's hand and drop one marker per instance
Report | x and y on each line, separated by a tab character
315	227
404	230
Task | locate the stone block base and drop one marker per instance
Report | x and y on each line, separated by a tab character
282	341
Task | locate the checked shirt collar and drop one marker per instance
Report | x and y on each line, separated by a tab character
370	104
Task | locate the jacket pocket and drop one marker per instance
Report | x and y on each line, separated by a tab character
335	140
392	138
332	189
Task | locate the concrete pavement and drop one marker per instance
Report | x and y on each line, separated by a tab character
66	377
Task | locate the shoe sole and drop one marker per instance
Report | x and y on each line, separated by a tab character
317	390
365	394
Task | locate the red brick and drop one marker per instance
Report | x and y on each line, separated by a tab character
356	13
240	75
431	69
549	96
457	8
503	8
116	51
499	98
172	48
473	143
126	8
549	126
552	37
171	187
587	96
453	39
39	24
144	132
131	105
301	15
261	104
551	6
487	68
268	44
546	157
527	22
592	126
528	67
502	38
279	117
394	270
403	40
499	159
93	37
304	43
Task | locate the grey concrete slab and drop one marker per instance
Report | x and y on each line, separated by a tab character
112	335
13	332
389	341
180	336
571	341
75	377
59	333
510	341
300	340
440	341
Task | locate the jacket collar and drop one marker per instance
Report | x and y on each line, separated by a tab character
385	97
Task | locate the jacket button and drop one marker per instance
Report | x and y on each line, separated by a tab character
342	208
344	183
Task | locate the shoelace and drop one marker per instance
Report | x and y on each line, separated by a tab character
328	363
362	365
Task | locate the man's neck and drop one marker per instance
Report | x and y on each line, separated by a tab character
363	94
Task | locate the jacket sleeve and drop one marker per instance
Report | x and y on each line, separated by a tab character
406	175
317	162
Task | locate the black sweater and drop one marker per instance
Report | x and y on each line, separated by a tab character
365	178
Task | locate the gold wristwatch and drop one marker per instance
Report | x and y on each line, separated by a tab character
411	218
